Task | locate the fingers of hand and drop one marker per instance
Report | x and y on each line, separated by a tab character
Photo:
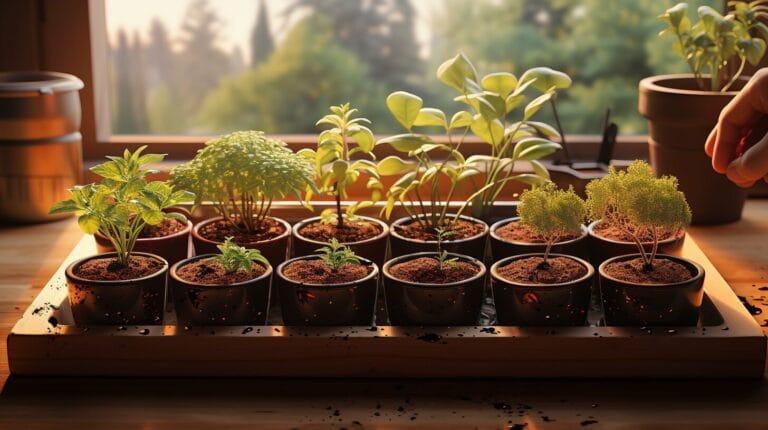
751	166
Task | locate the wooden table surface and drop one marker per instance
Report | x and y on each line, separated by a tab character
30	254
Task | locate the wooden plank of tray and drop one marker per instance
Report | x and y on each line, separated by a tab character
736	348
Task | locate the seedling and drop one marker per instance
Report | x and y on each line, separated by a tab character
637	202
552	213
442	254
123	202
337	255
715	42
234	257
242	173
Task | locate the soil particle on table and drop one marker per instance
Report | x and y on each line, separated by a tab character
319	272
531	270
664	271
426	270
612	232
351	231
53	321
107	269
754	310
462	229
211	272
430	337
516	231
218	231
167	227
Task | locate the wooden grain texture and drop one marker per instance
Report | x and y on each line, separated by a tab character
30	255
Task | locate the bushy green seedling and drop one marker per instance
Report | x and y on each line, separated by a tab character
552	213
715	42
337	255
636	202
123	202
233	257
241	174
335	170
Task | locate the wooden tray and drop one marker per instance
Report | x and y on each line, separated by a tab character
727	343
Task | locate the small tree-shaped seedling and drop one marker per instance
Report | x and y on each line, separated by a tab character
337	255
442	254
552	213
637	202
234	257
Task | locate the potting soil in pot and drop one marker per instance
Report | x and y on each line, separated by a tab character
219	231
213	273
516	231
634	271
107	269
426	270
531	270
461	229
319	272
167	227
351	231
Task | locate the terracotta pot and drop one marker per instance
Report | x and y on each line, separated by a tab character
243	303
501	248
472	246
453	304
561	304
374	249
135	301
680	117
350	303
674	304
601	248
173	248
275	249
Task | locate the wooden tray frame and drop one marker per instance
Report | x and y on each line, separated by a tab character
735	348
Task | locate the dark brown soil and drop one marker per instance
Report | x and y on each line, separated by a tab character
211	272
219	231
352	231
462	229
518	232
531	270
612	232
319	272
165	228
664	271
107	269
426	270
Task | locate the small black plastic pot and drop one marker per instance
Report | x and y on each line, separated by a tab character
453	304
374	249
564	304
501	248
136	301
346	304
472	246
630	304
601	248
243	303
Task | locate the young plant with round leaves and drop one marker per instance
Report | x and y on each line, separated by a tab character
638	203
714	43
233	257
337	255
335	170
123	202
241	174
552	213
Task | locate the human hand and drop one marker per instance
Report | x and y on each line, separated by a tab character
738	145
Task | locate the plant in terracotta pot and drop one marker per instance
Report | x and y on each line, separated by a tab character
646	287
336	171
434	288
241	174
228	288
545	288
607	236
333	287
124	286
682	109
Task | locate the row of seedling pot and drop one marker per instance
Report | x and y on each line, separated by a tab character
539	270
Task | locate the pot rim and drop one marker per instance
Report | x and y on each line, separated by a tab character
653	84
384	231
39	82
400	221
504	261
190	284
498	224
70	272
196	231
697	277
392	261
185	231
591	227
374	273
